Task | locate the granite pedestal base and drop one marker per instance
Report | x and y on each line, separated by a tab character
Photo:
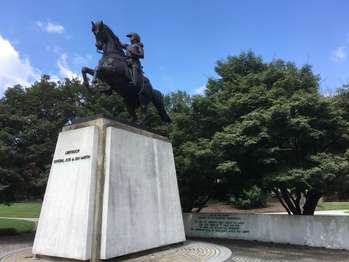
112	191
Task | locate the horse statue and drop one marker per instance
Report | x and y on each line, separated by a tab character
114	70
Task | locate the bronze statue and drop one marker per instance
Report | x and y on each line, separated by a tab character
135	52
123	72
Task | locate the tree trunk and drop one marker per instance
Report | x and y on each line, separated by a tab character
312	199
293	205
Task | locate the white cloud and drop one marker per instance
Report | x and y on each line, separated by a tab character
200	90
339	54
64	68
50	27
55	49
54	78
80	60
13	68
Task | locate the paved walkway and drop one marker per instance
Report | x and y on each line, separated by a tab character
323	213
32	219
252	251
9	244
210	250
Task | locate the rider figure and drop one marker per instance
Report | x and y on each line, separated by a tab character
134	52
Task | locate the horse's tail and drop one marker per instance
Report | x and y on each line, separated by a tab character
158	101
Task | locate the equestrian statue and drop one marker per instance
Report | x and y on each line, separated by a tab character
120	68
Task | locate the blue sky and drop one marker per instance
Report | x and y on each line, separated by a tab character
183	39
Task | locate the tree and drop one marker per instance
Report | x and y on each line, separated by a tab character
278	124
30	120
257	126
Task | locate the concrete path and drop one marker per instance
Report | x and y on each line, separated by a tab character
322	213
9	244
252	251
32	219
215	250
332	212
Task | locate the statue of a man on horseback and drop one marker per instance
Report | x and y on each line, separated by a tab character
122	71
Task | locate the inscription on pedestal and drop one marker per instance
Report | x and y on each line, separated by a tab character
218	223
70	159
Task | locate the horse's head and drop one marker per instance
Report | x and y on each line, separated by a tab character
106	41
100	34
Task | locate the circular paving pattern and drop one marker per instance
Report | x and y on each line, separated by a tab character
217	251
191	251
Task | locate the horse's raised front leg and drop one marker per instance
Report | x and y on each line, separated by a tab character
85	71
95	75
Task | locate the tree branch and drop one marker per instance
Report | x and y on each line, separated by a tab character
285	195
276	191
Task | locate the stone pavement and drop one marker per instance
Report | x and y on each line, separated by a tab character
195	250
9	244
253	251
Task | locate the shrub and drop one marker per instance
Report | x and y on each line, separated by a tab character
251	198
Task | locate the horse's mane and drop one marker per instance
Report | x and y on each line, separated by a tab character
114	38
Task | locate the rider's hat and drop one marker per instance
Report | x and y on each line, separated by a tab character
134	36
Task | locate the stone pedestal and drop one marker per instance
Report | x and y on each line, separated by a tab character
112	191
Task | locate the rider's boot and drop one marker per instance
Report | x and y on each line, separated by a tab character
134	76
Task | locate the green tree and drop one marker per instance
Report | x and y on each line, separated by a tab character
258	126
278	124
30	120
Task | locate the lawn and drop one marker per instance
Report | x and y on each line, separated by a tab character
13	226
333	205
23	209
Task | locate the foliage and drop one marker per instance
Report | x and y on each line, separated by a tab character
257	124
266	124
250	198
30	120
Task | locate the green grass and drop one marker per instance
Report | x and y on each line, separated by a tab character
13	226
333	205
23	209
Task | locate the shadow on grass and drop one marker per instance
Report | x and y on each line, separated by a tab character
10	227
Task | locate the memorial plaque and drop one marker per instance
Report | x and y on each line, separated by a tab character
219	223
